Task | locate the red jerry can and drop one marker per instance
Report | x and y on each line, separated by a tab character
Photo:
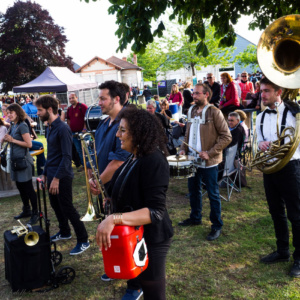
127	257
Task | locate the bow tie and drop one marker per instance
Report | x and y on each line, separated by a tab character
271	111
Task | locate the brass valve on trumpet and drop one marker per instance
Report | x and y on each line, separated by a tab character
31	237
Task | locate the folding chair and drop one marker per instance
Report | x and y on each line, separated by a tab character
230	171
246	151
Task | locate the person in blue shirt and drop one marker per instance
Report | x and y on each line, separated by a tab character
30	109
58	174
110	156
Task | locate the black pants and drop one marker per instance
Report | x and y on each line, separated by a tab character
283	193
153	279
64	209
27	193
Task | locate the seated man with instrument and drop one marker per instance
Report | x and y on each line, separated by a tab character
207	134
282	184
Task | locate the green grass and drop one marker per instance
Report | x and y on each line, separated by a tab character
227	268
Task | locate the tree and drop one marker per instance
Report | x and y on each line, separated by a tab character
29	42
248	58
182	52
150	61
136	18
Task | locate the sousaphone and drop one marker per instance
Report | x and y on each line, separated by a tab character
278	55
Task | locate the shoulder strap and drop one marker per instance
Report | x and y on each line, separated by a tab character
283	122
190	113
262	123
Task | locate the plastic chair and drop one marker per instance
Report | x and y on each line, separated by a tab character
230	172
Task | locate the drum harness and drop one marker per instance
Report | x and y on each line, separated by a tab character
195	123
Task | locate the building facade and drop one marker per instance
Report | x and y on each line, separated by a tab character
113	68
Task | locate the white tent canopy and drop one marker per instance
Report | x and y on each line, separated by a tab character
55	79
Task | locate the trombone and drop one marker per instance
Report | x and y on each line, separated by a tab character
88	147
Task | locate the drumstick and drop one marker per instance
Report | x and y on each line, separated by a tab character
191	147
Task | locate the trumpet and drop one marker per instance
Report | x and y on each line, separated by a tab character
89	151
31	237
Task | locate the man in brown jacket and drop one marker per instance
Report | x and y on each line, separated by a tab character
207	132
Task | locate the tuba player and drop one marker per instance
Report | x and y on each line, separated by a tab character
282	187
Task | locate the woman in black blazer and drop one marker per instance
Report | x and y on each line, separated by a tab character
138	194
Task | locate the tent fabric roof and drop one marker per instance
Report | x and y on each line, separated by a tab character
55	79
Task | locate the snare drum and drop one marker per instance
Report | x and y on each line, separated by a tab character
93	116
181	166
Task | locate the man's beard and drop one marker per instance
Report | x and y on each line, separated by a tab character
45	117
199	102
107	109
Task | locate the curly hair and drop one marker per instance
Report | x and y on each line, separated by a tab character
18	110
145	130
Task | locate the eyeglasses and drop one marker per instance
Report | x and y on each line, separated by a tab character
209	77
230	120
244	75
121	130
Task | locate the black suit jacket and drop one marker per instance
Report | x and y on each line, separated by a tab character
145	186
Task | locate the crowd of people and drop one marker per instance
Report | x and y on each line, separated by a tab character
131	140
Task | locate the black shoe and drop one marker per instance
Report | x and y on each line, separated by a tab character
214	234
189	222
24	214
274	258
295	270
34	218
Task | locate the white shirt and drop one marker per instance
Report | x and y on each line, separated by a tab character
198	146
270	127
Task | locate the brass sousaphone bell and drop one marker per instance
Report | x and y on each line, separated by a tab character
278	52
278	55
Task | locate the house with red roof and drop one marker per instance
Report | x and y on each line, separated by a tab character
113	68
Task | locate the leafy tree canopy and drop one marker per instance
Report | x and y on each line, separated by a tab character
135	19
248	58
150	60
29	42
183	53
174	51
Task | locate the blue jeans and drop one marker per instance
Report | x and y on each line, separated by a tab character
209	177
40	159
77	144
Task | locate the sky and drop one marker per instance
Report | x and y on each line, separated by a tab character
91	30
